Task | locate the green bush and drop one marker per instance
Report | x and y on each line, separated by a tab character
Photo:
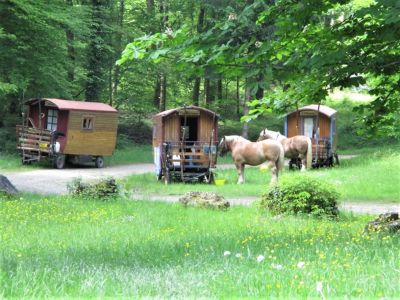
302	195
105	189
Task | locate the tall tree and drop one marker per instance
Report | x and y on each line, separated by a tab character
98	50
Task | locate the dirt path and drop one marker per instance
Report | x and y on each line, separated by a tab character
356	207
53	181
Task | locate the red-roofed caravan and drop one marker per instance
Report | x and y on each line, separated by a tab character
66	130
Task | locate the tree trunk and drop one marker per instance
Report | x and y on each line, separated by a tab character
96	52
163	76
207	92
260	91
70	50
237	97
247	95
116	75
156	98
196	91
163	92
150	6
219	89
197	80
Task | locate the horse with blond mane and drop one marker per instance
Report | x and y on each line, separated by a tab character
299	146
245	152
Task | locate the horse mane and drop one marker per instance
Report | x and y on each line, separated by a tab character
233	138
273	134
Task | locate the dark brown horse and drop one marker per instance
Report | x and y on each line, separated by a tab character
298	146
245	152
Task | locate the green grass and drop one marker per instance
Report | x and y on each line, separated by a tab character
131	154
64	247
368	177
128	155
12	162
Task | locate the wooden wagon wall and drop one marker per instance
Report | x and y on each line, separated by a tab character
324	125
100	140
206	127
172	126
62	121
169	128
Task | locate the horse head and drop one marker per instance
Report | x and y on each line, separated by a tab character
264	135
223	147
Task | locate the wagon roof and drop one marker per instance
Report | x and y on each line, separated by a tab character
191	107
323	109
62	104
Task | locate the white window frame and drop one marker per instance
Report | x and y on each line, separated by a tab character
52	119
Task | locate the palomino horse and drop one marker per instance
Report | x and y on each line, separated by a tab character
245	152
295	147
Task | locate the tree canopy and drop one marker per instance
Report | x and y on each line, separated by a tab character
240	57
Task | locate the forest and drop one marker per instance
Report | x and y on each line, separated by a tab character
242	58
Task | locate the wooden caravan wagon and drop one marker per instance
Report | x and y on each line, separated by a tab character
64	130
185	143
318	123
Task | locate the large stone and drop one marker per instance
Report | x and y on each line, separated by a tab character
6	186
204	199
388	223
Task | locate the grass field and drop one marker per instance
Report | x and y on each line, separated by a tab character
64	247
129	155
371	177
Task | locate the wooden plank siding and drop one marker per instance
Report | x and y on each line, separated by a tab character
206	126
157	131
324	125
292	125
172	128
100	140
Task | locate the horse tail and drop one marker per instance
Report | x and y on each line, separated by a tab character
309	153
281	160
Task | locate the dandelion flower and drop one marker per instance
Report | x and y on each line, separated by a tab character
277	266
319	286
260	258
227	253
301	264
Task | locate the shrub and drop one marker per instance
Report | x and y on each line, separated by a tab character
301	194
104	189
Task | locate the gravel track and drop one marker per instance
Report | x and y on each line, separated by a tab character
53	181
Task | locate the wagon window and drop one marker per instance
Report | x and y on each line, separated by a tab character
52	117
308	127
87	123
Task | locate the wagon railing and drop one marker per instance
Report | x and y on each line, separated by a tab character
188	161
34	143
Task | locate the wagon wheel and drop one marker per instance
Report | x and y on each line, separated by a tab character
59	161
99	162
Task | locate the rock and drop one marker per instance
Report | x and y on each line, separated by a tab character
204	199
6	186
388	222
387	217
394	226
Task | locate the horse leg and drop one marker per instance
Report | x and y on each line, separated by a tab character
303	162
240	170
275	172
